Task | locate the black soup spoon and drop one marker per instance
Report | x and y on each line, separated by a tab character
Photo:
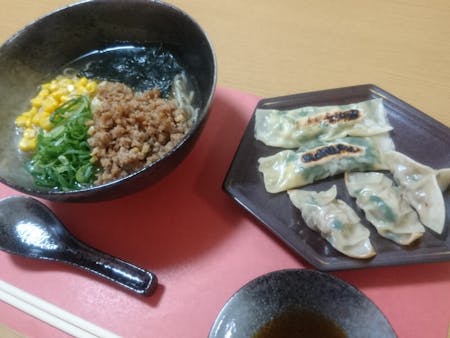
28	228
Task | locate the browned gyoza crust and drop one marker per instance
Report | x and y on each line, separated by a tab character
332	118
316	155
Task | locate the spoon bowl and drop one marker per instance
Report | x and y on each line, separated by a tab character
28	228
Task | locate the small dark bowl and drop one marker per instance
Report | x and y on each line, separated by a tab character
275	294
41	49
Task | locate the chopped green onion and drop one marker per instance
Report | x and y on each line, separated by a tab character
62	157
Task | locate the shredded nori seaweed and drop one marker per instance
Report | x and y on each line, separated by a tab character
141	68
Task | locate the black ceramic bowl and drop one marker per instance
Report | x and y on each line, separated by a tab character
307	301
51	42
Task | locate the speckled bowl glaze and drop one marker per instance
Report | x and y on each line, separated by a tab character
272	294
49	43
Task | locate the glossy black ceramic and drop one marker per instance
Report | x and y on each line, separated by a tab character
28	228
273	294
38	51
415	134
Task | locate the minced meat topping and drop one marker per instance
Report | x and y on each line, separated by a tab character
130	130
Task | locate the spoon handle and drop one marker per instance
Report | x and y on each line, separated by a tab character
102	264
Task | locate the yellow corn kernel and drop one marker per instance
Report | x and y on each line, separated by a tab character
43	93
53	85
79	89
39	117
33	111
45	123
64	98
91	87
49	105
29	113
27	144
35	119
36	102
82	81
29	133
57	94
22	120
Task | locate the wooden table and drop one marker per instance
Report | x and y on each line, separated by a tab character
272	48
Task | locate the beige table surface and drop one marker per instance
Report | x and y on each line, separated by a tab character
272	48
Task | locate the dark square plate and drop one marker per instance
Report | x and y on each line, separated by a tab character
415	134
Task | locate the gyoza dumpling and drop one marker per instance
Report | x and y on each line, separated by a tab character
336	222
290	128
316	160
420	187
384	206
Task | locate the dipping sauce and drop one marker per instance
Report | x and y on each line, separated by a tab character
300	324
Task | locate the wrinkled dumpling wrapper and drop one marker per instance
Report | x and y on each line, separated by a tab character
316	160
290	128
336	221
421	187
384	206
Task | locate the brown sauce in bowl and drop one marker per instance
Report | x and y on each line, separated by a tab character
300	324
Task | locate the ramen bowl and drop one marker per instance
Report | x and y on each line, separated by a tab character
42	49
